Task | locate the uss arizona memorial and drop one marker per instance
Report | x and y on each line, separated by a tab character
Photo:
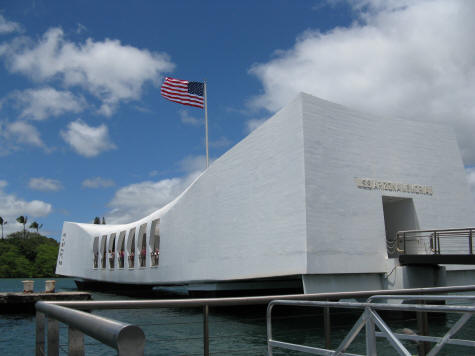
313	199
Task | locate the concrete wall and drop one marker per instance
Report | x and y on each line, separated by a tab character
346	232
284	201
245	217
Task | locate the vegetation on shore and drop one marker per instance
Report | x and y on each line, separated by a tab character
27	254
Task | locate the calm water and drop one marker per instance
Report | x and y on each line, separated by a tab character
233	331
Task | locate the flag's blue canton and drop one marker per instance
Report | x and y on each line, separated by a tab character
196	88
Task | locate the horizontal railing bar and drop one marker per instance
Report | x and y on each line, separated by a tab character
422	297
379	306
306	349
414	238
433	339
436	230
443	232
452	239
445	235
118	335
186	303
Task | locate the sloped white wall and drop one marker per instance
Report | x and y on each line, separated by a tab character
245	217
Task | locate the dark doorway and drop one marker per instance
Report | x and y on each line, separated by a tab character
399	215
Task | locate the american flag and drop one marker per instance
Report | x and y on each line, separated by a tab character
183	92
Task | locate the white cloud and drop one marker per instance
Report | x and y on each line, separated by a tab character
109	70
45	184
97	182
8	26
80	28
140	199
12	207
186	118
39	104
413	59
253	124
192	164
86	140
220	142
19	133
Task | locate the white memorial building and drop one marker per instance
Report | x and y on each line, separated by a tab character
312	198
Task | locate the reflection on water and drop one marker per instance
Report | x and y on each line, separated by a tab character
233	331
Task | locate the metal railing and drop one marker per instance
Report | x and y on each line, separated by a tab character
423	324
67	314
370	319
125	338
429	241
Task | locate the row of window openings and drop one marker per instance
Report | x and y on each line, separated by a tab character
112	254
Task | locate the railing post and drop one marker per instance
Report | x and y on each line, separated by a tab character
76	342
40	334
470	248
327	327
404	237
53	337
205	330
423	326
269	327
437	242
370	335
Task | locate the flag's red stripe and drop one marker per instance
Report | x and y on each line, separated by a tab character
185	102
183	98
169	79
175	85
188	97
189	104
168	87
180	94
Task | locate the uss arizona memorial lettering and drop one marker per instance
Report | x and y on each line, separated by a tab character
374	184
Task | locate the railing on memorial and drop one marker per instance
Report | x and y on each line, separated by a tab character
434	241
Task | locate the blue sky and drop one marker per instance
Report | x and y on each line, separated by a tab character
84	131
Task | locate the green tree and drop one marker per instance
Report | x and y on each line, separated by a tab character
13	264
32	257
34	225
97	220
23	220
45	262
2	222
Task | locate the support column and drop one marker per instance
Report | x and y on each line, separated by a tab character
53	337
205	331
40	334
76	342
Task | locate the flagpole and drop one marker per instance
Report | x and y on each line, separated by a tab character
206	124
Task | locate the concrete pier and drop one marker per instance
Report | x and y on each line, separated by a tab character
25	302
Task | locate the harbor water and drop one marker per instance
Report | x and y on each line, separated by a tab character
233	331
